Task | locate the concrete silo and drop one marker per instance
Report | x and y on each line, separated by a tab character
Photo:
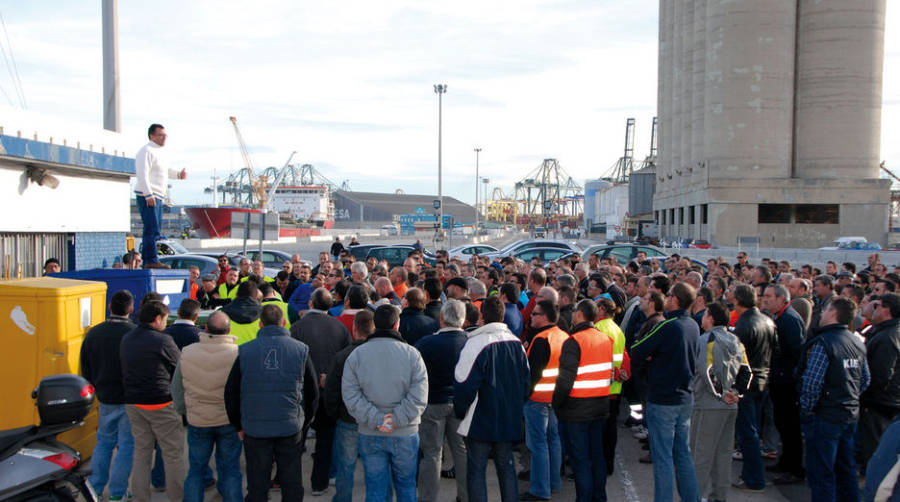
749	88
840	49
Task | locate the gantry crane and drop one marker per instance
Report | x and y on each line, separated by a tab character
246	183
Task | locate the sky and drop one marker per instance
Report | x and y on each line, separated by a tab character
349	85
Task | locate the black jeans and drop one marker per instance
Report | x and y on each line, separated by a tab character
872	424
477	454
611	434
787	422
285	452
324	426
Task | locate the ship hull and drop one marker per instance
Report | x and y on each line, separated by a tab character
215	222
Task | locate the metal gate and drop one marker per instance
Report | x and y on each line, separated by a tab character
23	255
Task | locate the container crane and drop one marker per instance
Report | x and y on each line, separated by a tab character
257	184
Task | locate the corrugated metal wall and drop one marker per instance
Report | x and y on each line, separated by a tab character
25	253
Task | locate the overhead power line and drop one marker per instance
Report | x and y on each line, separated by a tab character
14	69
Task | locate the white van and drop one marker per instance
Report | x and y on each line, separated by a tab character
845	243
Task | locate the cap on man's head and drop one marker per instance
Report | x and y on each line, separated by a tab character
458	282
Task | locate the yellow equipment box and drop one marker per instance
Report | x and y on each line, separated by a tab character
42	323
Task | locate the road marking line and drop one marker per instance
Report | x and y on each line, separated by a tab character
627	483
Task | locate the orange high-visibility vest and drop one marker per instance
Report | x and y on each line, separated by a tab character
595	367
543	391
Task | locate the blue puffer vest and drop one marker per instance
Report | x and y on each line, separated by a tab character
272	383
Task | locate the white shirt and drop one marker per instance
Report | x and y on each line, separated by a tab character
152	171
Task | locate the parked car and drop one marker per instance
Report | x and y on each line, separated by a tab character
522	245
546	255
234	261
845	243
700	244
360	251
396	255
271	258
465	252
206	264
622	252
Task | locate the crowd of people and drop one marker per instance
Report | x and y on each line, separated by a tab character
429	371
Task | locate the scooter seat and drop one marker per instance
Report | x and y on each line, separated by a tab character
9	438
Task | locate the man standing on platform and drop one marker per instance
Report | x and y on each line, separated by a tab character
153	173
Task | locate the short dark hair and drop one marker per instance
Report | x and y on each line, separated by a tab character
265	288
568	292
824	279
608	305
472	313
684	293
888	285
719	312
745	296
270	315
856	292
850	266
658	301
188	309
510	291
550	310
892	302
386	317
151	310
845	309
281	275
321	299
340	289
247	289
706	294
588	309
153	128
432	287
661	283
492	309
121	302
764	272
357	297
51	260
364	322
152	296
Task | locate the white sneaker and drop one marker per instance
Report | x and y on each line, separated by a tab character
641	434
737	455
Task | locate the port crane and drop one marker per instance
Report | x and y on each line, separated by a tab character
246	177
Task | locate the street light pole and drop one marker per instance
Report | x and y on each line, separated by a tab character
440	89
477	152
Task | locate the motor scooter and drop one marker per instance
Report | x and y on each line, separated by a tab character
34	465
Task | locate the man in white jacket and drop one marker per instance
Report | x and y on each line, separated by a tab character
152	172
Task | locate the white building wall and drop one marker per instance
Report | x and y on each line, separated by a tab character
79	204
613	206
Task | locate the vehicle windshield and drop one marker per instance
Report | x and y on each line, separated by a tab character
177	247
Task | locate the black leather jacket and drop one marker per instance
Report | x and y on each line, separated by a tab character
757	332
883	354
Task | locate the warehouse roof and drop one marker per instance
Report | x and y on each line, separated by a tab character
410	203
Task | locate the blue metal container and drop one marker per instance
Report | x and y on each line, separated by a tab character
172	284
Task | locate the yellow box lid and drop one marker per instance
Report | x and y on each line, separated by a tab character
50	287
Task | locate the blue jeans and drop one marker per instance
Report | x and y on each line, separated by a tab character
830	466
670	428
113	431
386	459
158	473
477	453
542	439
228	462
584	441
747	427
152	220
